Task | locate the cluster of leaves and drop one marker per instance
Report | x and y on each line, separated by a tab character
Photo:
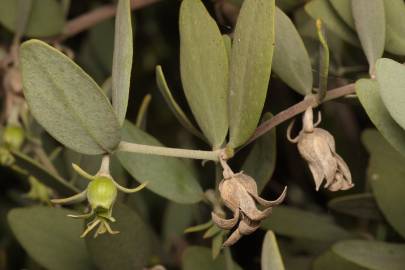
225	65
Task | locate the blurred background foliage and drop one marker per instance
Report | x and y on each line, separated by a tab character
314	230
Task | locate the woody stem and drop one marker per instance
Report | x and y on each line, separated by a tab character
300	107
88	20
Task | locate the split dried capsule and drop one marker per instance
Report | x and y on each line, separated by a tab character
317	147
239	193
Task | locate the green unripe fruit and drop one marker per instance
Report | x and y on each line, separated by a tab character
101	193
13	136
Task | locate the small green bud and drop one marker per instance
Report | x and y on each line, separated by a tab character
6	158
38	191
101	193
13	136
229	152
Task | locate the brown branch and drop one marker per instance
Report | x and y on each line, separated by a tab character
298	108
88	20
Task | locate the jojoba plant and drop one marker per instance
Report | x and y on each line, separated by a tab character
72	146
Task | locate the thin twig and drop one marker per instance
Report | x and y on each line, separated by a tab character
44	160
88	20
297	109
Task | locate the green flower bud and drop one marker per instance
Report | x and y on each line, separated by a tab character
101	193
38	191
6	158
13	136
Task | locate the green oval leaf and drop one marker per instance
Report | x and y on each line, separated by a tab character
46	17
50	238
66	101
43	175
288	5
126	250
368	93
3	53
391	79
204	70
395	27
344	9
386	173
321	9
271	258
169	177
200	258
261	161
176	219
101	43
369	19
91	61
23	13
331	261
122	59
175	108
228	45
357	205
250	67
284	221
291	60
372	254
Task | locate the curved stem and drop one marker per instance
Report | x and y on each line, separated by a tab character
79	197
130	190
88	20
289	129
44	159
168	151
142	112
81	172
300	107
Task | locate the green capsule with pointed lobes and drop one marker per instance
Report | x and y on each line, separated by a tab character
101	193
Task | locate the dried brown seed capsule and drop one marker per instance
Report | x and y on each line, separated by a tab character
239	193
317	147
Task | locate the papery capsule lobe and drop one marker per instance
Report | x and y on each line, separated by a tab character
317	148
239	193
